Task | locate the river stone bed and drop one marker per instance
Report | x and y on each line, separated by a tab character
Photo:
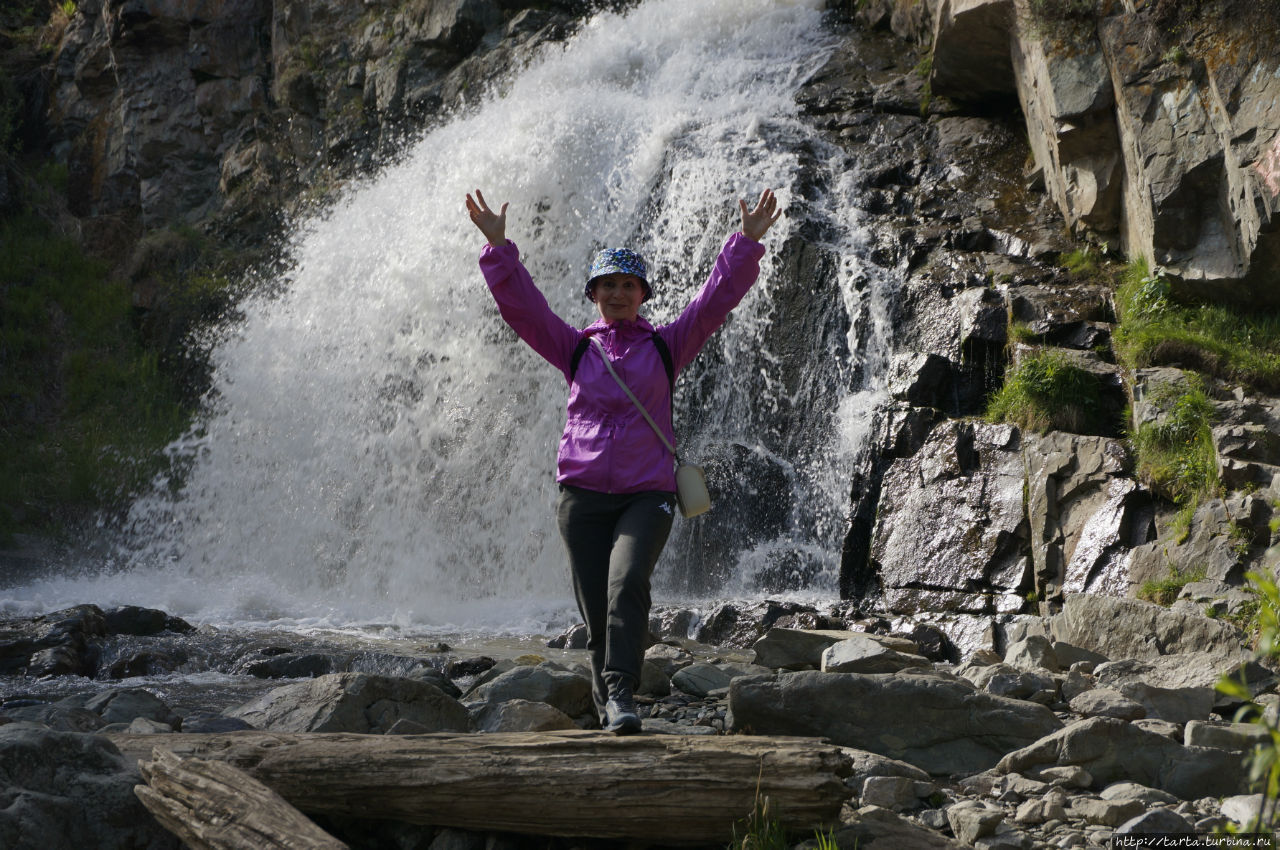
1045	744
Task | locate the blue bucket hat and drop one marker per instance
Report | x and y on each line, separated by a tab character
618	261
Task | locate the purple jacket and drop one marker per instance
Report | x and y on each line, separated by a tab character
607	446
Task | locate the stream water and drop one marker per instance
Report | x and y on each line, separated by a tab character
378	450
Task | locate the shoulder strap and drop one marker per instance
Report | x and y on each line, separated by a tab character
635	401
576	358
658	342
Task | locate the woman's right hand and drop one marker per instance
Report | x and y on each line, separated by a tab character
492	225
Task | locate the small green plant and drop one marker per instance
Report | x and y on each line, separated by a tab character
1165	591
924	69
1048	392
761	830
1021	332
1082	262
1176	54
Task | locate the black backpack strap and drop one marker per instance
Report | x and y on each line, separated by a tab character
665	353
576	358
658	342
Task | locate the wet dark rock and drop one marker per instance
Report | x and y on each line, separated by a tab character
133	620
462	667
575	637
124	704
957	506
146	663
60	643
289	665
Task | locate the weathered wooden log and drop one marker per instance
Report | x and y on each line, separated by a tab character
668	789
212	805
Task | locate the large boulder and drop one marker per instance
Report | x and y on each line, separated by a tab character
569	692
65	789
939	724
354	702
956	506
1113	750
1141	630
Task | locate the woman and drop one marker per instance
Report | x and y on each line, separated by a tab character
616	475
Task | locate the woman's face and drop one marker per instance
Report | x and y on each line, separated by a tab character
617	296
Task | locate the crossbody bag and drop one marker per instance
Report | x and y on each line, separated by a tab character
691	483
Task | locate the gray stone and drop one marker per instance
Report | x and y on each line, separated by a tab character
147	726
801	649
668	658
1113	750
972	820
1141	630
1164	728
1177	705
1084	513
653	681
935	723
1157	821
867	764
874	827
63	789
1064	776
59	718
569	692
519	715
701	678
1241	737
894	792
1106	812
1201	160
1105	702
658	726
353	702
1134	791
1244	809
1032	653
863	654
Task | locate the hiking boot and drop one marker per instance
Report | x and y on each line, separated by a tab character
620	713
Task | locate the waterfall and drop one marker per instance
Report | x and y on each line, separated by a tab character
380	448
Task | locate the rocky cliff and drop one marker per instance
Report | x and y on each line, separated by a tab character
1154	134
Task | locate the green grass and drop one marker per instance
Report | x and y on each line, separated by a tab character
1048	392
1165	591
83	405
1176	454
1218	340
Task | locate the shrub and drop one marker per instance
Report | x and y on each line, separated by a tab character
1048	392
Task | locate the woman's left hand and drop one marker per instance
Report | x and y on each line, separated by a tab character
756	222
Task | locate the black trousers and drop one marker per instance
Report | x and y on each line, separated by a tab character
613	541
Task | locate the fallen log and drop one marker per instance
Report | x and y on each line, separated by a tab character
668	789
211	805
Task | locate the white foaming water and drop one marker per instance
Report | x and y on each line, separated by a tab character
381	447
